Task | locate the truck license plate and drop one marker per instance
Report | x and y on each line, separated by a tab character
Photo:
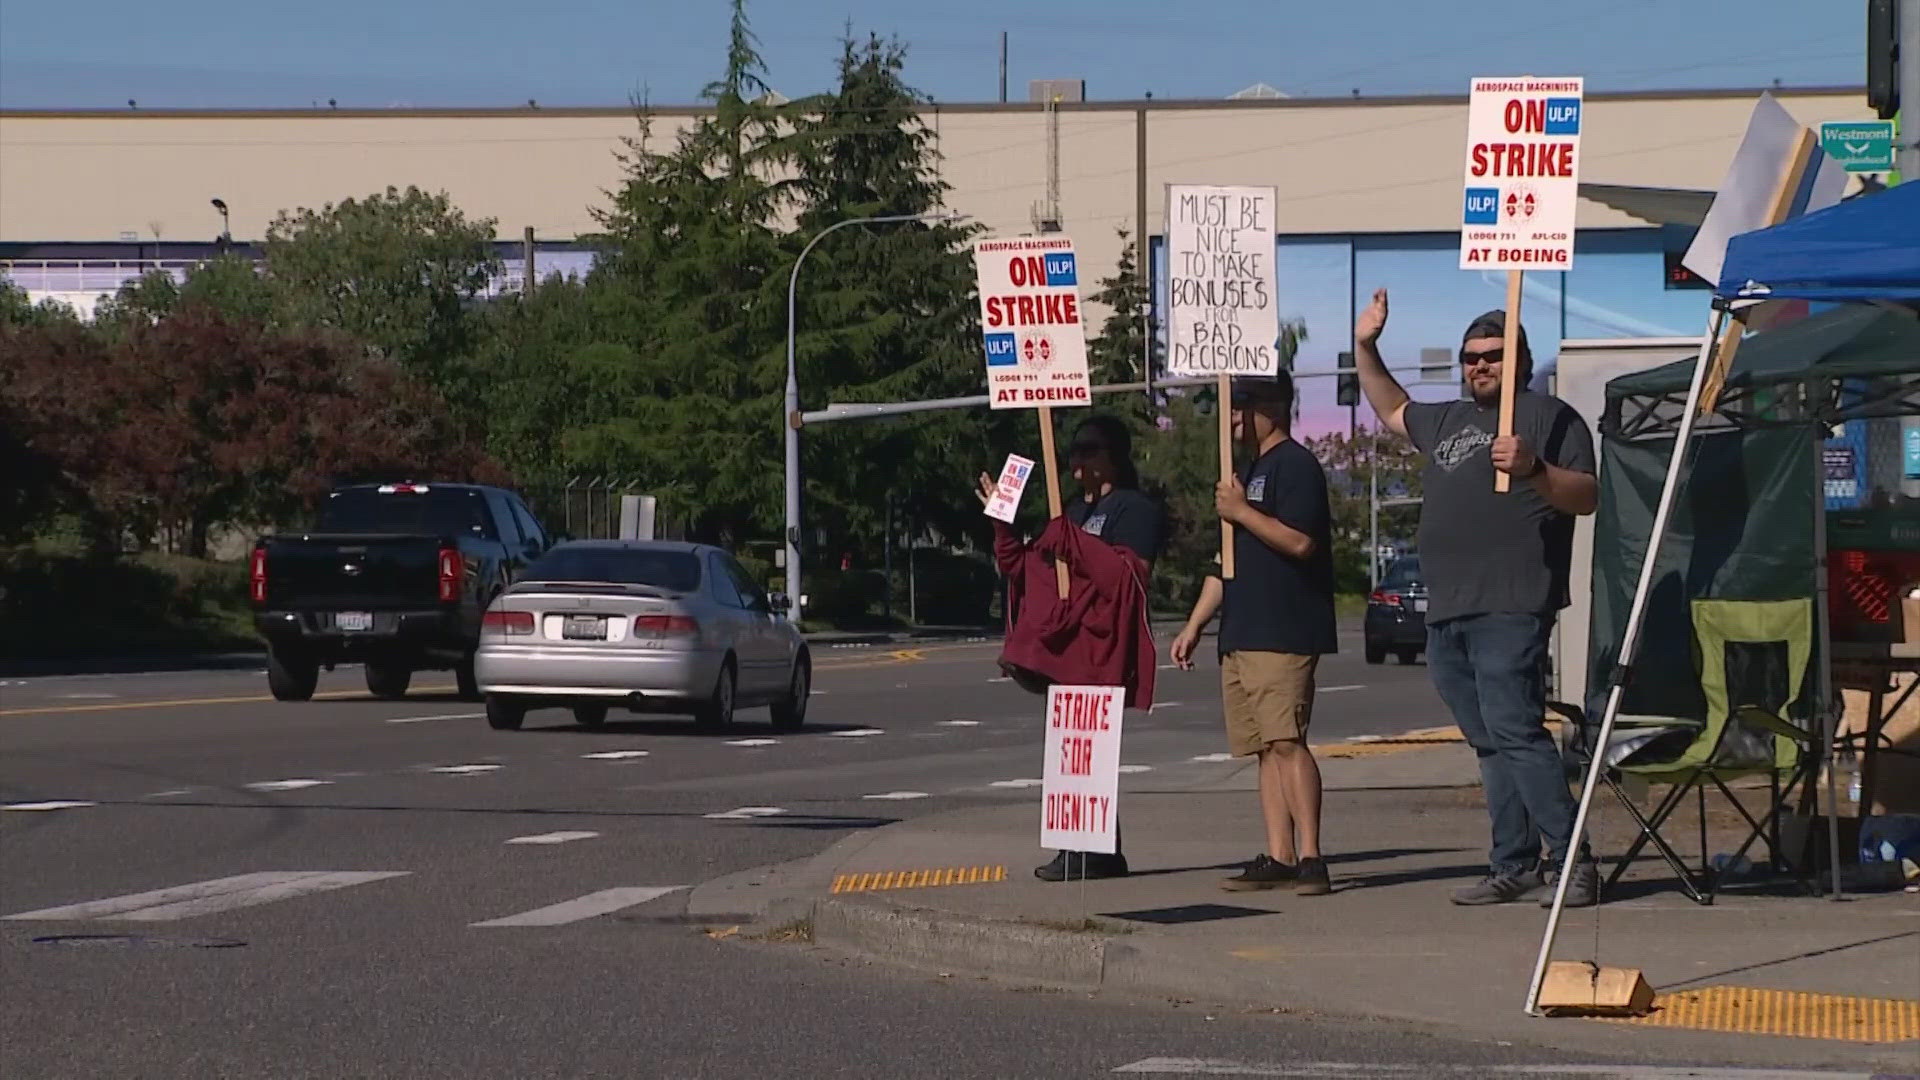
584	628
1420	605
354	620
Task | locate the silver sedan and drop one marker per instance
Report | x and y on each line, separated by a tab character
652	626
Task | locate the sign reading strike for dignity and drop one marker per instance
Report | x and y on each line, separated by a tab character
1080	785
1221	314
1030	313
1522	186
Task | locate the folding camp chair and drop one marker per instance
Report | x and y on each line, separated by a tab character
1752	657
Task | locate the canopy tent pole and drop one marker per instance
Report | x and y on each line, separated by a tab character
1629	645
1823	660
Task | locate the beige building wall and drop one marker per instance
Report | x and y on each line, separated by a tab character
1340	166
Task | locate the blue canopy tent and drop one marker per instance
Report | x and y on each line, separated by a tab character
1864	249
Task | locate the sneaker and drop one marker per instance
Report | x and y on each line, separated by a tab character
1082	866
1499	888
1583	889
1264	872
1310	878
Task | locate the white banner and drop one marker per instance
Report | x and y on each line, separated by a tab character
1030	314
1221	313
1521	175
1080	785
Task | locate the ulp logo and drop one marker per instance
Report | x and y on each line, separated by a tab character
1060	270
1483	206
1002	351
1563	116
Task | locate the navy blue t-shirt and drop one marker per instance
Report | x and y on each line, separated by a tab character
1277	603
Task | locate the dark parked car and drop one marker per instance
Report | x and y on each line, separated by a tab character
395	576
1397	613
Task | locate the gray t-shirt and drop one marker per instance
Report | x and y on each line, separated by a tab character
1483	552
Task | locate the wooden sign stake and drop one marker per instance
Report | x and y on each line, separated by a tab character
1051	465
1509	365
1226	471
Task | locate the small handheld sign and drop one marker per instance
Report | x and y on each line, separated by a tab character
1522	195
1012	484
1222	318
1036	343
1080	779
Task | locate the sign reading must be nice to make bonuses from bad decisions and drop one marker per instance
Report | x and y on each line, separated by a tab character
1220	286
1522	190
1080	781
1030	313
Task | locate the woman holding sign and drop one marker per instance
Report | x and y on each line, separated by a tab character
1113	509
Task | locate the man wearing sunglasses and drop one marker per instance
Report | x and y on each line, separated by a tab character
1497	566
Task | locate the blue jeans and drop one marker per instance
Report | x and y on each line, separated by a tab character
1489	669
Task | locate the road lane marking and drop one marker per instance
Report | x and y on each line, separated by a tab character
1136	768
436	716
744	812
169	793
553	838
463	770
898	795
57	804
207	897
1158	705
856	733
1021	783
615	755
284	785
592	905
1339	689
959	723
753	742
1211	757
88	697
169	703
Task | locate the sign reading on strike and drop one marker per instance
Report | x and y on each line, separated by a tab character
1522	190
1013	482
1030	312
1080	784
1221	318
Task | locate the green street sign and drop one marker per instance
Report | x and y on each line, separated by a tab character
1859	145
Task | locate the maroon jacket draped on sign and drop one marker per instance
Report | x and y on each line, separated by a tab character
1100	635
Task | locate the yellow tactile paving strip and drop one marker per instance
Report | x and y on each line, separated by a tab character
918	879
1748	1011
1390	744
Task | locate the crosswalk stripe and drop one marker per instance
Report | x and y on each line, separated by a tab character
207	897
589	906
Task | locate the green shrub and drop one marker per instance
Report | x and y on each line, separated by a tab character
59	604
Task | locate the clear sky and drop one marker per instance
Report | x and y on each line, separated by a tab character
382	53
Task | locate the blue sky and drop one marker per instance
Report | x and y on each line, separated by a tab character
382	53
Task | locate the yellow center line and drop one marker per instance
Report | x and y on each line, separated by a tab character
117	706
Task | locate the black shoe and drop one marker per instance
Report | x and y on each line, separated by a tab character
1082	866
1264	872
1310	878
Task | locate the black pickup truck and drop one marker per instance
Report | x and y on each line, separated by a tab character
395	576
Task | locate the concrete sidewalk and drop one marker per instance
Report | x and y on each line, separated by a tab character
1404	827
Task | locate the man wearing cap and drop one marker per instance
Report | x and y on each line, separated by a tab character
1277	623
1496	566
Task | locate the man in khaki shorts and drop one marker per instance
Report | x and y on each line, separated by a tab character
1276	624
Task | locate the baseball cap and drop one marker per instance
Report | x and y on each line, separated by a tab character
1262	389
1493	324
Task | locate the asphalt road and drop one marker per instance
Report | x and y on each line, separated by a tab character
349	887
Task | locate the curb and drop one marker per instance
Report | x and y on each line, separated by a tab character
919	937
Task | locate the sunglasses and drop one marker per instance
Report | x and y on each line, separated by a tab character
1486	356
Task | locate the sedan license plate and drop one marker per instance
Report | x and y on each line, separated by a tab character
1419	605
354	620
584	628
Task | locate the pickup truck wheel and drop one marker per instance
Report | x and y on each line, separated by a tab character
716	713
505	713
790	713
468	680
589	714
388	681
291	678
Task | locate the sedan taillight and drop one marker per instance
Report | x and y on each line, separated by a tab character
666	625
1382	596
507	622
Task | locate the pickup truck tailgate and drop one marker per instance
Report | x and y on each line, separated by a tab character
367	572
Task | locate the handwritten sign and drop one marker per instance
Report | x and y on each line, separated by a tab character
1221	314
1030	313
1522	186
1080	781
1006	494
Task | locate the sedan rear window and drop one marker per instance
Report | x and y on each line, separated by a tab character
1401	575
675	571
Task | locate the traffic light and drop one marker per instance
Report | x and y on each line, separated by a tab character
1347	392
1883	57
